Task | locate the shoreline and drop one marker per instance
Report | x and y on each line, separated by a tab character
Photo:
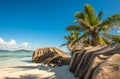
35	71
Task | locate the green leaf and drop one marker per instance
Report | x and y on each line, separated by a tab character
84	24
91	15
115	19
73	28
108	42
63	44
79	15
85	35
101	41
100	15
67	37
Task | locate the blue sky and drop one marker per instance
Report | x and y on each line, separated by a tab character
42	23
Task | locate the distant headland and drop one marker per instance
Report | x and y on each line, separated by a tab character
20	50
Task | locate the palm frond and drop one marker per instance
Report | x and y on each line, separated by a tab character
100	15
111	20
63	44
75	34
79	15
105	28
73	28
107	35
101	41
84	36
67	37
90	12
116	38
108	42
84	24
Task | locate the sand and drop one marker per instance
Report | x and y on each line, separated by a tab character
35	71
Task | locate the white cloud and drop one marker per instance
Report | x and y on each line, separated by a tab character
118	31
12	45
2	41
24	45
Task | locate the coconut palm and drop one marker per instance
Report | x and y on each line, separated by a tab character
70	39
114	38
92	27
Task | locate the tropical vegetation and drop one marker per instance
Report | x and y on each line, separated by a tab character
70	40
91	30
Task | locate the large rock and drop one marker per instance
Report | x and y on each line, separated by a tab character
100	62
110	69
50	56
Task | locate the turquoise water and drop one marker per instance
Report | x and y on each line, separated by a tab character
13	58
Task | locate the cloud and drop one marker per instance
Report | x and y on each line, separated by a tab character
24	45
118	31
12	45
1	41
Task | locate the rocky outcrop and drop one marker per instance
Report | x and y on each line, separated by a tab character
100	62
110	69
51	56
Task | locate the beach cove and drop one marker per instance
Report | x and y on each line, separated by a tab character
18	65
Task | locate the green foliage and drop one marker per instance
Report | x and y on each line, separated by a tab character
79	15
74	28
115	19
71	38
91	15
94	31
100	15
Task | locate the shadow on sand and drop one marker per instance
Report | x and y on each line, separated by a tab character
59	72
30	77
26	67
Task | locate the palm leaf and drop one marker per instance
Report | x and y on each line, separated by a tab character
75	35
85	24
85	35
116	38
101	41
100	15
79	15
67	37
73	28
107	35
111	20
108	42
63	44
90	12
105	28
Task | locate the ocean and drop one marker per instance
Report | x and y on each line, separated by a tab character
13	58
8	59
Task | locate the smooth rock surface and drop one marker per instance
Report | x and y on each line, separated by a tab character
50	56
100	62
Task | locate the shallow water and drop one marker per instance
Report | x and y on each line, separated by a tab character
13	58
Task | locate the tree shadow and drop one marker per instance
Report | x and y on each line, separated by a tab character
30	77
26	67
24	77
59	72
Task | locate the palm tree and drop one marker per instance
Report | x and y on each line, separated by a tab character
70	39
93	28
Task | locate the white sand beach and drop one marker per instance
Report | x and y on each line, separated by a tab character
35	71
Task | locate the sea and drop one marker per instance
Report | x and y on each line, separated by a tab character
13	58
8	59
